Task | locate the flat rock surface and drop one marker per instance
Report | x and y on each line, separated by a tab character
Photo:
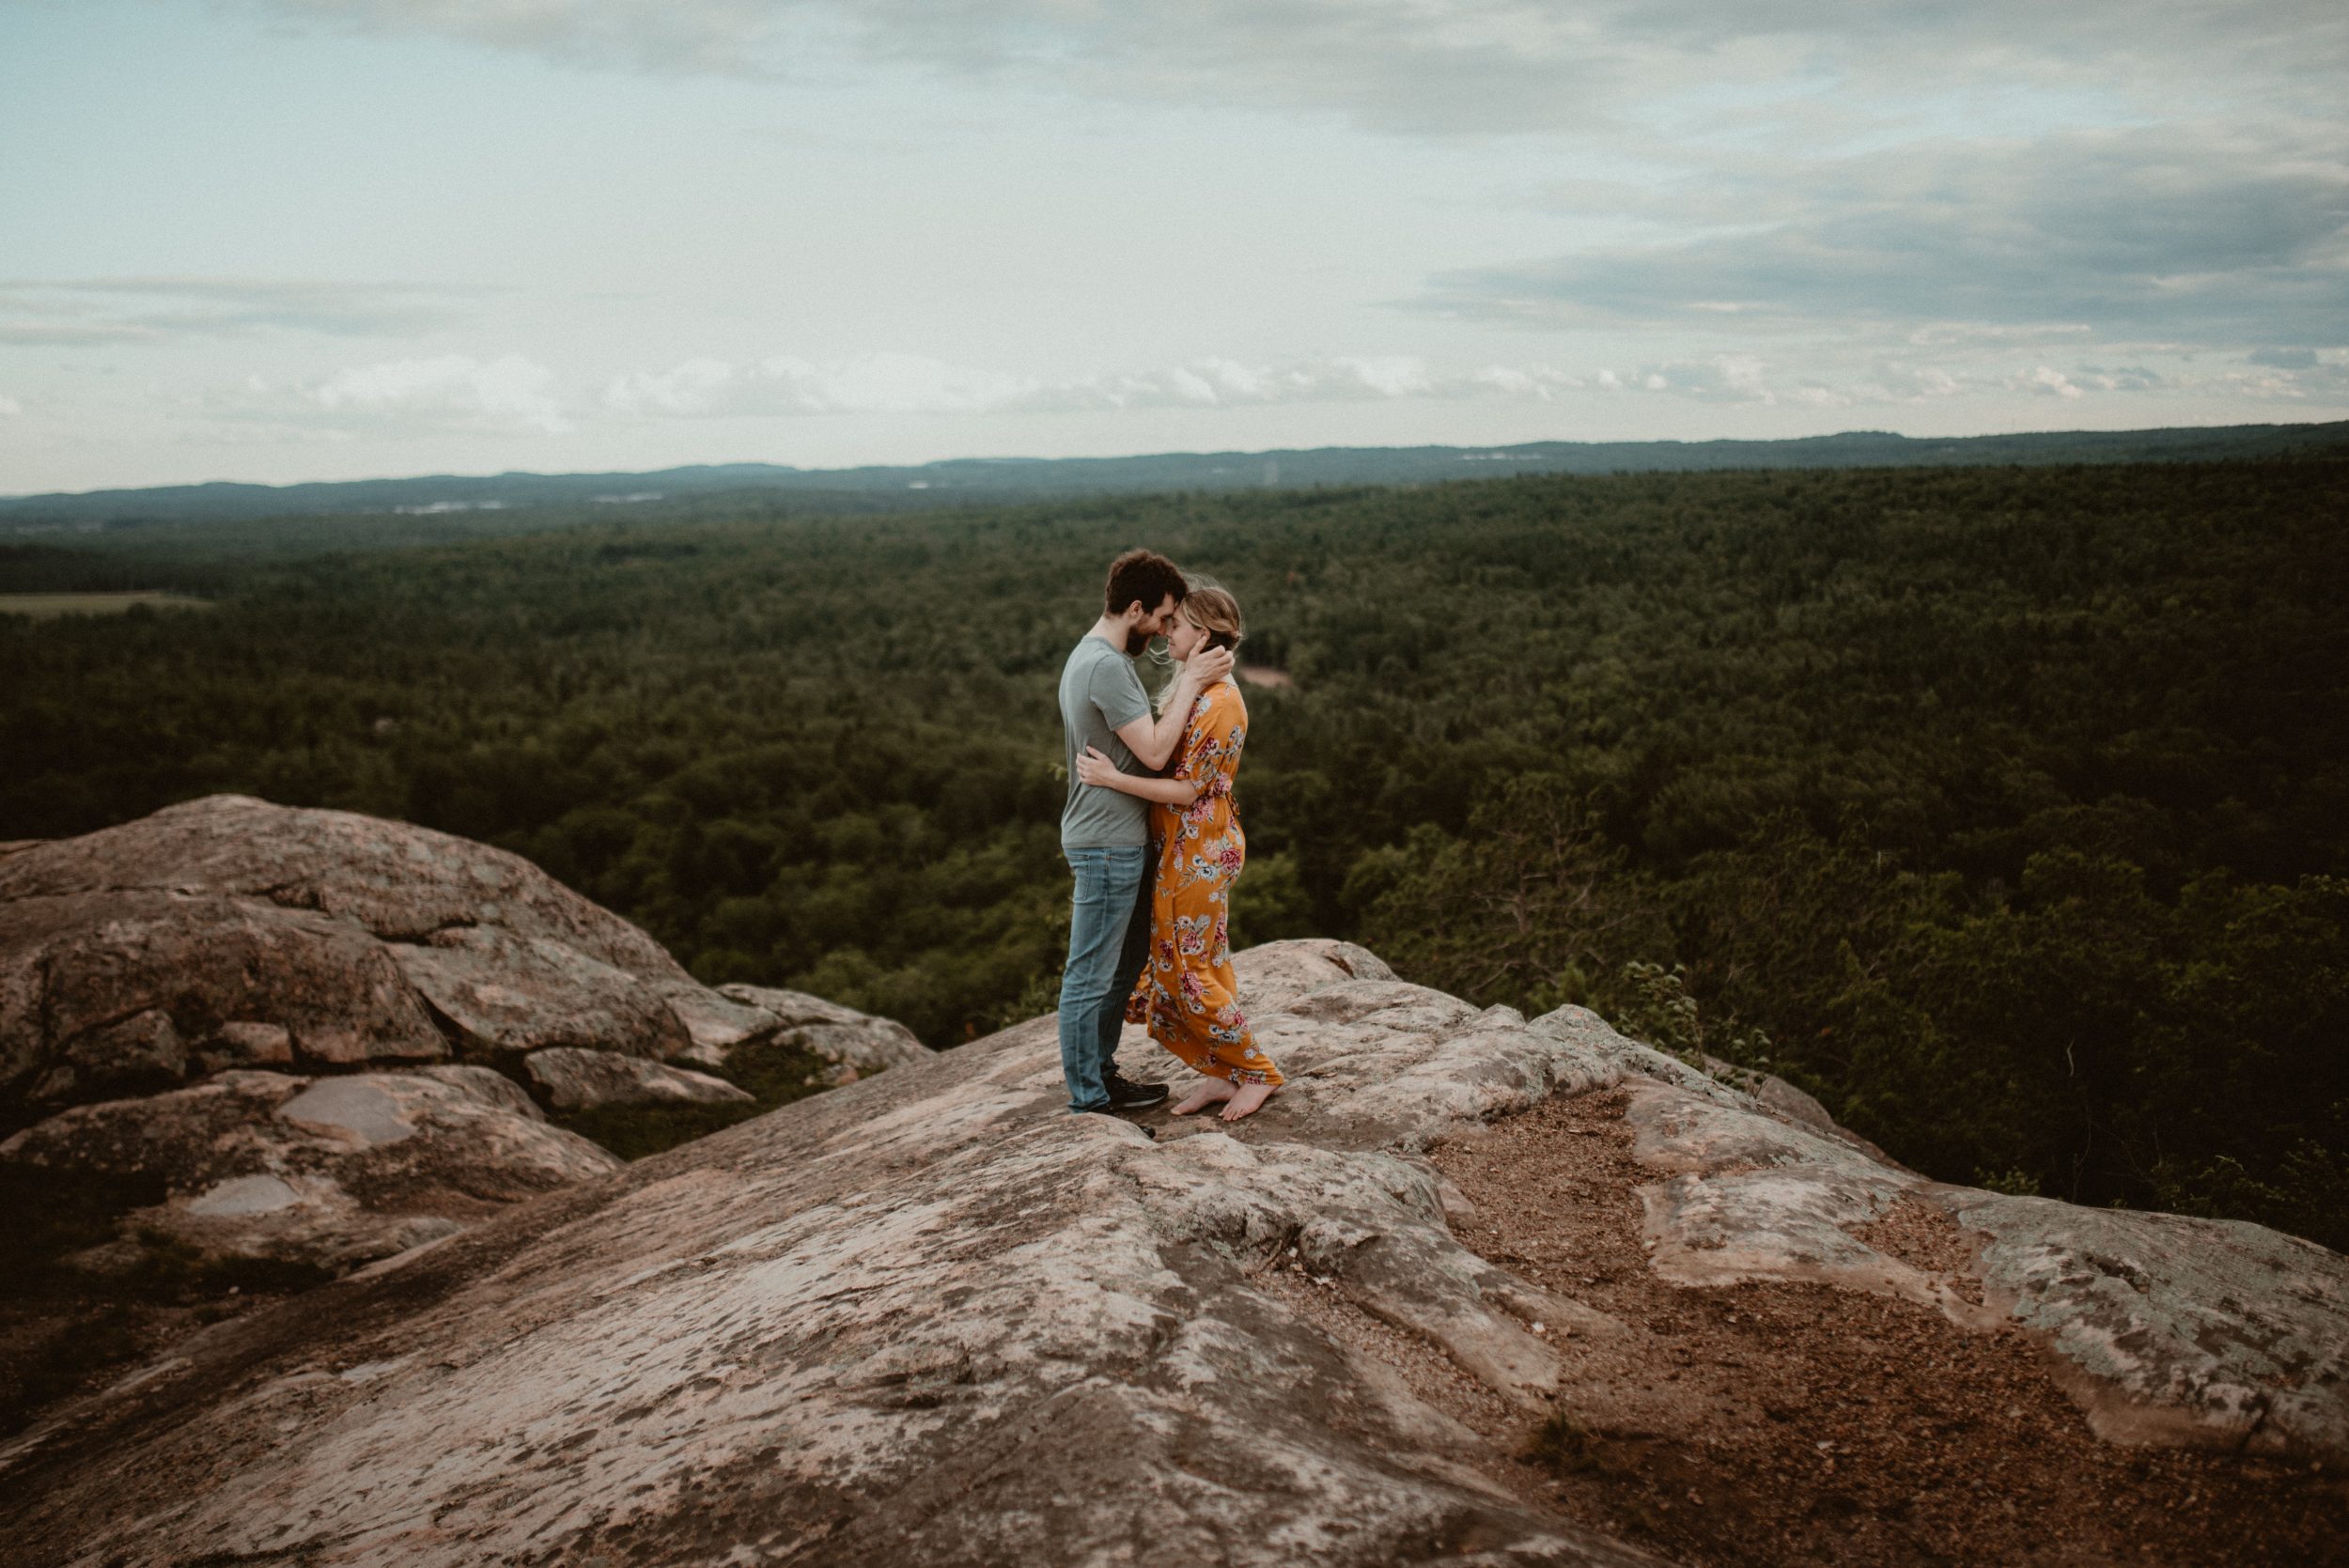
503	995
931	1317
2208	1333
2166	1328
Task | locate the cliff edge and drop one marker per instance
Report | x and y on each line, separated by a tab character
930	1317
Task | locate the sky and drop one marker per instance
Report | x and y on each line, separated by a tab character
290	240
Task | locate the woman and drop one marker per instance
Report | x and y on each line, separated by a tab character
1188	996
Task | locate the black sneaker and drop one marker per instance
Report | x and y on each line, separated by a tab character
1126	1094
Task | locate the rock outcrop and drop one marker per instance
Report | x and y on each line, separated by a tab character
856	1044
2205	1332
931	1317
572	1080
227	932
180	996
327	1172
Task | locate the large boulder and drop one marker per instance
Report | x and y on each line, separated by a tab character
229	931
856	1044
327	1172
400	882
931	1317
503	995
569	1079
115	990
169	986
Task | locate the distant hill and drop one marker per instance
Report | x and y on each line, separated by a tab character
969	481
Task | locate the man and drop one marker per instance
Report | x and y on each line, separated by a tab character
1104	834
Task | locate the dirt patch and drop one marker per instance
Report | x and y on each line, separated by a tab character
1928	1241
1798	1424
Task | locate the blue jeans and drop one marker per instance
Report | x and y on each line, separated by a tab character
1109	940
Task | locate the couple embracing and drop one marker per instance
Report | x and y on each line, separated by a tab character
1151	836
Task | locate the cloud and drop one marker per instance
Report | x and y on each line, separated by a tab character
876	383
515	396
97	312
34	334
1399	63
2127	377
1722	379
1412	66
1895	381
508	393
1732	378
1892	204
2324	374
11	408
2047	381
2291	375
2175	234
909	383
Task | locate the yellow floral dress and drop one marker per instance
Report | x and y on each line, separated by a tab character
1188	996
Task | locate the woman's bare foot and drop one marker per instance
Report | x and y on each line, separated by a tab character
1245	1099
1207	1094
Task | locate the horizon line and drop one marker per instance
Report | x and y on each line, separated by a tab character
1137	456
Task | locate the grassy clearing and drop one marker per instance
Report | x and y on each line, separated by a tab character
44	607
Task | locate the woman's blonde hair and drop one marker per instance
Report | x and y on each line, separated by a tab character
1217	613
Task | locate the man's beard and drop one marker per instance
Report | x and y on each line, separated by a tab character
1136	642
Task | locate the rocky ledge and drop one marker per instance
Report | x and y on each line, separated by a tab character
329	1171
931	1318
227	932
320	1039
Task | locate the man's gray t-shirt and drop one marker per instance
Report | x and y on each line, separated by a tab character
1099	695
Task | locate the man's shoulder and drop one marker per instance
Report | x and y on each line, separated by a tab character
1099	659
1082	661
1091	650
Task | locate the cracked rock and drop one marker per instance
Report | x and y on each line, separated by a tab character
573	1080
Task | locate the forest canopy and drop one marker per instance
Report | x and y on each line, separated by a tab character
2006	810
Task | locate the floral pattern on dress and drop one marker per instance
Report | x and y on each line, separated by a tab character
1189	998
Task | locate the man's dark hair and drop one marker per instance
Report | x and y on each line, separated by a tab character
1144	577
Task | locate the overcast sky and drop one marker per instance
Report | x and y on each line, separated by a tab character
283	239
